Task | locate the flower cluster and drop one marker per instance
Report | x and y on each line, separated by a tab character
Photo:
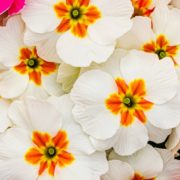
90	89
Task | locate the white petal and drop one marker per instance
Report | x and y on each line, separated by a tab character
11	39
85	167
139	34
131	139
160	18
43	116
17	169
166	115
156	134
172	28
14	143
35	91
159	76
123	8
102	34
119	170
51	85
112	65
40	16
63	104
67	76
83	51
12	84
18	115
102	145
4	120
89	94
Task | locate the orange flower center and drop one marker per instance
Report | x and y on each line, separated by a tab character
139	177
76	15
162	48
49	152
142	7
33	65
129	101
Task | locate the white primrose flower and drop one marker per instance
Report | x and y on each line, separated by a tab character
114	104
146	164
46	145
25	72
158	35
81	31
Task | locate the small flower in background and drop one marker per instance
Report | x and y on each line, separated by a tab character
84	30
24	69
146	164
143	7
34	148
11	6
114	105
146	7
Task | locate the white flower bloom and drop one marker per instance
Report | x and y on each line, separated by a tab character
113	105
146	164
25	72
159	36
82	31
46	145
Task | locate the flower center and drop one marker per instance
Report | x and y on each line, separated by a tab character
161	53
33	63
128	102
75	13
47	156
51	152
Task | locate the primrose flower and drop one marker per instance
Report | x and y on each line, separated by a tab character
43	144
158	35
146	164
146	7
11	6
26	73
82	31
114	105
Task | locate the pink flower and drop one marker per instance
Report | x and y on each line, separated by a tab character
11	6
